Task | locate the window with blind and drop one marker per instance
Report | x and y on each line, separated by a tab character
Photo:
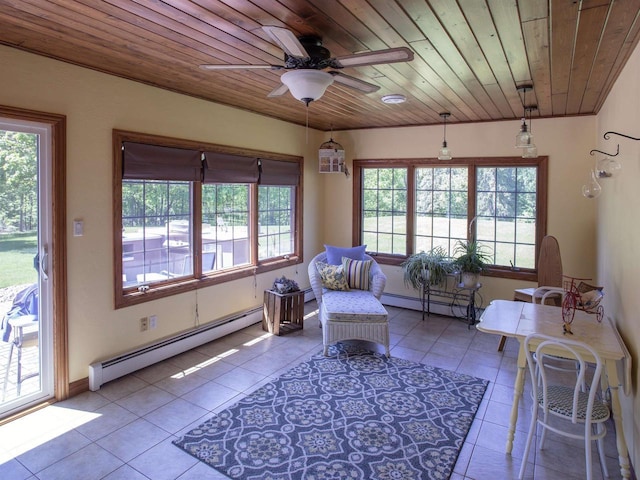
188	216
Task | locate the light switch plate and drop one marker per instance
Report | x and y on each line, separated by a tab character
78	228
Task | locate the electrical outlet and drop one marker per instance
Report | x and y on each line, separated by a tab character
153	321
144	324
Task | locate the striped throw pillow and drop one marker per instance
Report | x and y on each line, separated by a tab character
357	272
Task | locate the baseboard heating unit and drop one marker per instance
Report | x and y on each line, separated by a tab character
107	370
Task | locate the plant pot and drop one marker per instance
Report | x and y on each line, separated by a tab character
469	280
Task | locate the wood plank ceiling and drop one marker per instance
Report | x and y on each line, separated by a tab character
469	55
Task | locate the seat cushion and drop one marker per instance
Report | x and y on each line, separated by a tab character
352	306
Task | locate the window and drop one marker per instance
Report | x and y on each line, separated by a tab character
441	207
226	224
410	206
189	216
384	193
156	218
506	214
276	220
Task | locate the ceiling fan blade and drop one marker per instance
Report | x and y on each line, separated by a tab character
390	55
354	82
240	67
287	41
279	90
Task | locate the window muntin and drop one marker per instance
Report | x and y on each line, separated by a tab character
501	200
189	230
276	208
384	212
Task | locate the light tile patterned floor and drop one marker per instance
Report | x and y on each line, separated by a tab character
124	431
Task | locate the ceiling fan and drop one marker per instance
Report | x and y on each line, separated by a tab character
305	60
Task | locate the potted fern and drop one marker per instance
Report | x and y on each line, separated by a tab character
470	257
426	268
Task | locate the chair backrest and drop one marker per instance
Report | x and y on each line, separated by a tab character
549	263
208	262
541	294
547	347
377	277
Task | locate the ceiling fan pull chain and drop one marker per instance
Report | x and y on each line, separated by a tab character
307	127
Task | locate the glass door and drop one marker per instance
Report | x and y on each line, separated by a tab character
26	340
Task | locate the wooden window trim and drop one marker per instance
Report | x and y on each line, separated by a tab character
471	162
128	298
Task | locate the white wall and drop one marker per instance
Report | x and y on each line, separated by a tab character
618	228
94	105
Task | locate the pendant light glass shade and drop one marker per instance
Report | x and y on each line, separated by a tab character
593	188
444	153
523	138
530	152
607	167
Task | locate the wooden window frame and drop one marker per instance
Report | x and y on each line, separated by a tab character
541	163
124	297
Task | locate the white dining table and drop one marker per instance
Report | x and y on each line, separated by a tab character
519	319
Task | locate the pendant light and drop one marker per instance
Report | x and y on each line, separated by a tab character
607	166
592	189
445	153
530	151
524	138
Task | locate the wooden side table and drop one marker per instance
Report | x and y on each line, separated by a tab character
283	312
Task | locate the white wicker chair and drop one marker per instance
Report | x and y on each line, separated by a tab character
353	314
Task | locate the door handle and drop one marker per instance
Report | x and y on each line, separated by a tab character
44	260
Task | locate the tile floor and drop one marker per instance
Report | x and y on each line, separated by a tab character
124	430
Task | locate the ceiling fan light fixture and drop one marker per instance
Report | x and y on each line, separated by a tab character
394	98
307	85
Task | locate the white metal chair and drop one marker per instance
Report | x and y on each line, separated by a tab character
549	277
567	401
557	363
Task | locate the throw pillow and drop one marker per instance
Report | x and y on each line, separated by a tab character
335	254
332	276
357	273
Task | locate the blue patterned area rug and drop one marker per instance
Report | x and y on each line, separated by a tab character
354	415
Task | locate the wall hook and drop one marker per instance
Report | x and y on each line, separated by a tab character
605	153
606	136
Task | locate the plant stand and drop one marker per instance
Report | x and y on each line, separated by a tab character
462	300
283	312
